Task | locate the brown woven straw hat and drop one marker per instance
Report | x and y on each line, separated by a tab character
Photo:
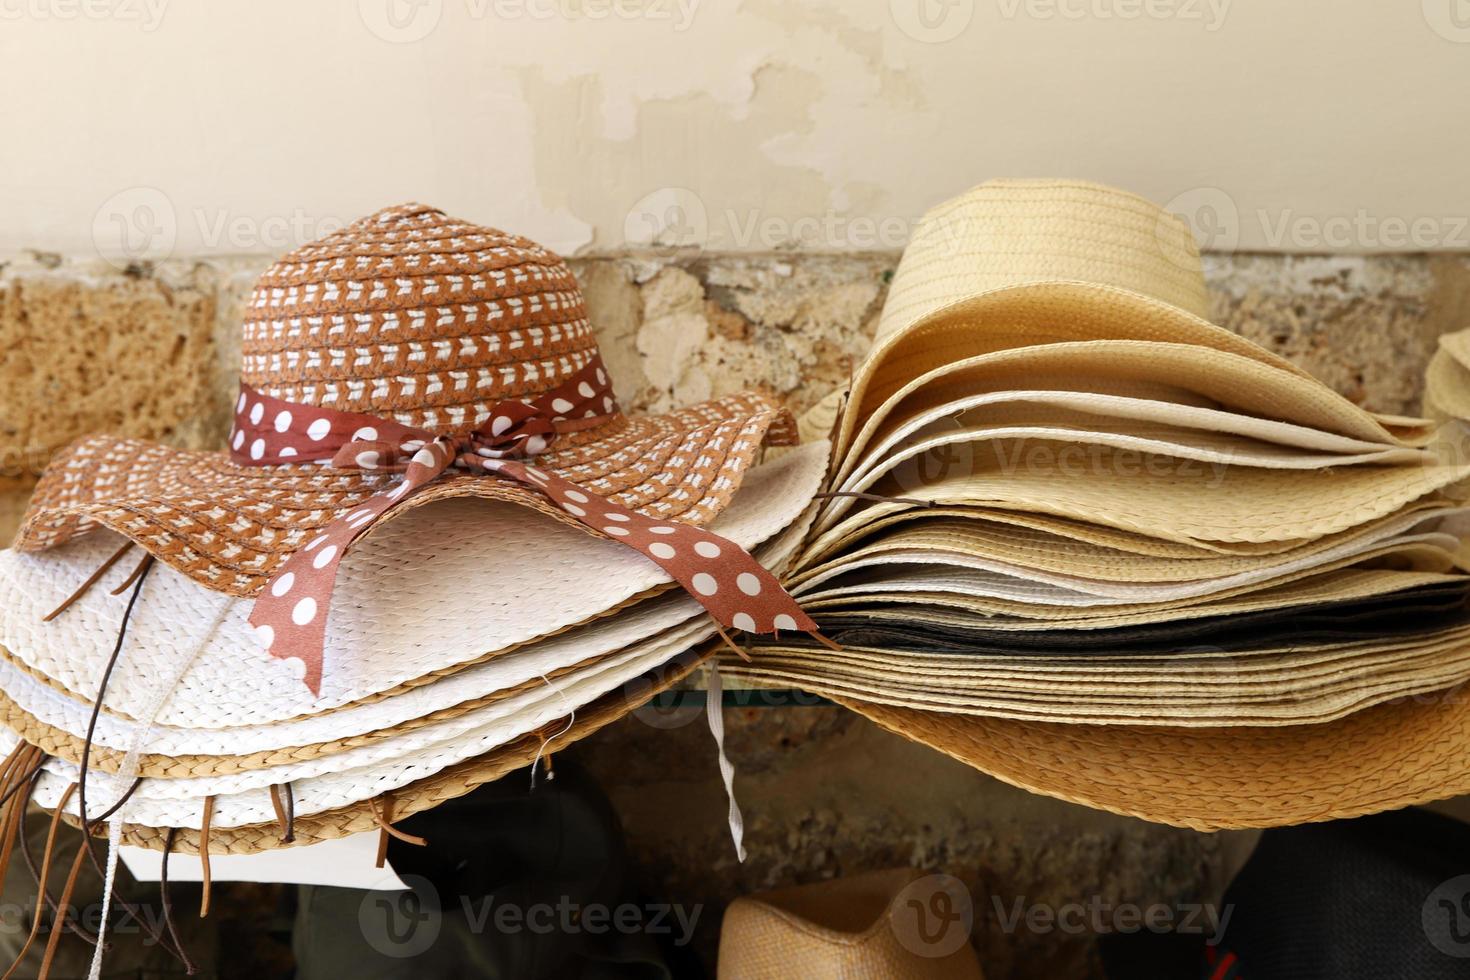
429	321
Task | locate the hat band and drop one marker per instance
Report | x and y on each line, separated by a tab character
290	614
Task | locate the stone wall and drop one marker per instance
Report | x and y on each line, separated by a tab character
151	352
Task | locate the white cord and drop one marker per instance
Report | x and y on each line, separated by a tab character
571	720
127	771
713	708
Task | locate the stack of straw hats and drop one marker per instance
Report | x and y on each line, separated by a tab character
1083	539
139	690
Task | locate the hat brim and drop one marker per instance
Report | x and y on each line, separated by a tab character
461	586
1048	312
447	784
1398	754
228	527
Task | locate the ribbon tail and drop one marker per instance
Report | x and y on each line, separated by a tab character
290	615
736	590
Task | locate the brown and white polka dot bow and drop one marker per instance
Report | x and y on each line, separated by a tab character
291	613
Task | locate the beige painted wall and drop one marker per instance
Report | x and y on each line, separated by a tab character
149	127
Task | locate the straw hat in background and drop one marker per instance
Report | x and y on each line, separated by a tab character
885	925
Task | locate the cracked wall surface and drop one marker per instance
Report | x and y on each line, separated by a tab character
819	123
151	352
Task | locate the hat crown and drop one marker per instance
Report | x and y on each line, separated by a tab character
1012	232
410	314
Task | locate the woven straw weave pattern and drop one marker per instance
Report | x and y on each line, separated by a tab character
448	784
432	321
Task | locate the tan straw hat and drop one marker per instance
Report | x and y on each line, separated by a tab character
1407	752
1013	263
1021	312
885	925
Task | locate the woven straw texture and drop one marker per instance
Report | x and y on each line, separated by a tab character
863	928
1016	263
1006	232
1394	755
1243	688
1021	550
930	568
447	784
1170	371
1139	416
1334	586
414	603
382	765
430	320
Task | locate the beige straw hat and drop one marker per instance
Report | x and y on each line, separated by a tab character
885	925
1020	290
1020	262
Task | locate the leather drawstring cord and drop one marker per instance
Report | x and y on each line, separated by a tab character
138	570
44	894
167	906
91	581
41	881
15	774
386	829
285	813
729	642
204	855
65	903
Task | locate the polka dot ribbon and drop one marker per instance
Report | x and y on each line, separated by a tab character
290	614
